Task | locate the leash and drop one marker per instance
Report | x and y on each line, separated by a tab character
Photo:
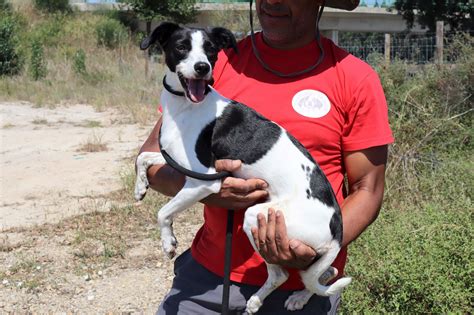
229	229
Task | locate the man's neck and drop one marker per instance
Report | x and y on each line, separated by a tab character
290	44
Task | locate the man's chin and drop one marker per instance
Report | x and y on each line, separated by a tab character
275	39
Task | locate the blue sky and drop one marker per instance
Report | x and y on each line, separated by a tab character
370	3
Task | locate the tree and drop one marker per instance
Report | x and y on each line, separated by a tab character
180	11
457	14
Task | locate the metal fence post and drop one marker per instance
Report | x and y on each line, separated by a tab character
335	36
387	48
439	42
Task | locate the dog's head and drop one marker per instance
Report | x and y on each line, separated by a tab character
191	54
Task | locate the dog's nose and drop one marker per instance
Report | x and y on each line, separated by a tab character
202	68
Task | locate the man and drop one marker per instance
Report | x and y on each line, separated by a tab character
334	105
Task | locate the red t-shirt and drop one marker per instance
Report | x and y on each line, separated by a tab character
339	106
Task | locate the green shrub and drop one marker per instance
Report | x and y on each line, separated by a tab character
50	31
417	258
5	6
52	6
37	61
10	58
415	263
79	62
110	33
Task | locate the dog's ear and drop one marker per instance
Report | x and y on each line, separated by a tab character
161	34
224	38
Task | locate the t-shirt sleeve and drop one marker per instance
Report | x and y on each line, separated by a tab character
366	124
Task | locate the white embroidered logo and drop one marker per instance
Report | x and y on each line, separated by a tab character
311	103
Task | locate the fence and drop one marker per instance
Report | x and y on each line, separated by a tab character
413	48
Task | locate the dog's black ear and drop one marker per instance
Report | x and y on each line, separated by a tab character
224	38
161	34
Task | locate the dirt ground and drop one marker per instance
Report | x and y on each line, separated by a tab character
57	164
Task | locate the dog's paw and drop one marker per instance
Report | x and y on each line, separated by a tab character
141	187
169	246
253	305
298	300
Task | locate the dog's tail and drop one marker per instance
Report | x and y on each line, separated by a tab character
311	276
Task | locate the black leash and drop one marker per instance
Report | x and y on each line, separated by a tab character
185	171
229	229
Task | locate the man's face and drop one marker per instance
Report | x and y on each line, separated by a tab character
287	23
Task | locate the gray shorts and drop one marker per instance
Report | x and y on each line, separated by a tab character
196	290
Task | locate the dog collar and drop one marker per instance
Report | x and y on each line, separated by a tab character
169	89
179	93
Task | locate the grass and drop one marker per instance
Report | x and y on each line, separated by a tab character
91	124
26	274
40	122
93	144
113	78
8	126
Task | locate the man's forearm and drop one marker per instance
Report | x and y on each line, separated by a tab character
359	210
165	179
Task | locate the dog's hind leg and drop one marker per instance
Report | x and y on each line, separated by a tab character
276	277
276	274
192	192
144	161
298	300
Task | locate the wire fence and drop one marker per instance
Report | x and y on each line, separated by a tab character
409	47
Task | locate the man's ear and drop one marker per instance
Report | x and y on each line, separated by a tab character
161	34
224	38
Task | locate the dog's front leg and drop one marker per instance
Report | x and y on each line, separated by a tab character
192	192
144	161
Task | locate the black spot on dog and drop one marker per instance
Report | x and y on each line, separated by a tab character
336	225
241	133
301	148
203	145
320	188
302	166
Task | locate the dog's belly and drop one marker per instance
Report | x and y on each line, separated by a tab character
307	221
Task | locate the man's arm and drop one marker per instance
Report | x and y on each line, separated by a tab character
162	177
366	176
235	193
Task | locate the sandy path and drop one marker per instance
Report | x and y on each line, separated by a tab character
44	177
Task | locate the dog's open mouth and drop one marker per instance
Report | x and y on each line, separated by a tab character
195	89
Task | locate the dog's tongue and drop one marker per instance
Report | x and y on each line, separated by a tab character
196	89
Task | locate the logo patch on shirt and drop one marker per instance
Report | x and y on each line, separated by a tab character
311	103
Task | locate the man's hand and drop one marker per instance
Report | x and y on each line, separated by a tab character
236	193
275	247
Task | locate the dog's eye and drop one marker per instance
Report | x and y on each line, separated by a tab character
180	48
210	48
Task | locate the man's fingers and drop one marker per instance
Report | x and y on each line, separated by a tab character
302	250
281	238
262	232
242	186
227	165
270	233
254	231
256	196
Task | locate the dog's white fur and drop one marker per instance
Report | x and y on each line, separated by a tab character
306	219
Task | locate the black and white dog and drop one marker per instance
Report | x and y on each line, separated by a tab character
201	126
